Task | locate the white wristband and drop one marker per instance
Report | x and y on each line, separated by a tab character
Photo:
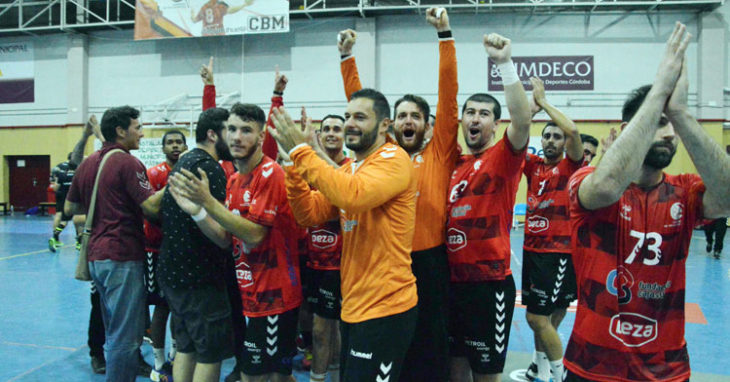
508	72
200	215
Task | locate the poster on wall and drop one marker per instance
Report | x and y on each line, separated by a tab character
149	152
156	19
557	72
16	73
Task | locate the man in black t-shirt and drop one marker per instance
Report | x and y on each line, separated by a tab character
61	177
191	267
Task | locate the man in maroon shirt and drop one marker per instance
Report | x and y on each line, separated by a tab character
116	245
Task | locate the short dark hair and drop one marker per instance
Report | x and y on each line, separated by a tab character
172	132
585	138
211	119
551	123
249	113
484	97
380	103
633	102
335	116
121	116
419	101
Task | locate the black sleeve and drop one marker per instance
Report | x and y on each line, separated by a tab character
216	179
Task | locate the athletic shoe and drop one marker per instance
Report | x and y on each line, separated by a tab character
717	254
234	376
54	244
162	375
98	365
144	369
709	247
78	245
531	372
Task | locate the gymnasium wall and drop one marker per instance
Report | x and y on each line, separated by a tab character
395	54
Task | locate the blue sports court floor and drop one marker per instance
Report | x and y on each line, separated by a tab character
45	312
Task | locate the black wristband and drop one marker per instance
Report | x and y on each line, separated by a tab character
445	34
280	94
344	56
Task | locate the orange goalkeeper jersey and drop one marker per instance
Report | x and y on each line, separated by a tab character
434	163
376	202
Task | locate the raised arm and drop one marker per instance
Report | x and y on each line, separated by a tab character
499	50
77	155
348	67
310	208
712	163
277	100
446	127
622	162
206	74
236	8
573	144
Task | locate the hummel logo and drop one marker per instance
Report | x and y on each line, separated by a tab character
272	319
272	351
358	354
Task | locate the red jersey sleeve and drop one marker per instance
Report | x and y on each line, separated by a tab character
270	147
208	97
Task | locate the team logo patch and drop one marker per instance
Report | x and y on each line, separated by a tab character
676	210
247	197
537	224
323	239
632	329
456	239
618	283
244	275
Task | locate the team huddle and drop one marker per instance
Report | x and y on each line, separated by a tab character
402	252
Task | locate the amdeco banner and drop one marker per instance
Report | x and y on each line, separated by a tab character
558	72
195	18
16	73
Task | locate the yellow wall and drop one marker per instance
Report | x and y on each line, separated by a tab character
54	141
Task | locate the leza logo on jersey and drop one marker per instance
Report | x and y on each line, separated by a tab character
537	224
455	239
633	330
323	239
244	276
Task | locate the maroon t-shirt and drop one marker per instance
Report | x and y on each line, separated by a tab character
117	233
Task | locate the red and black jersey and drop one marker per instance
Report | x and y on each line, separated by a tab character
324	243
158	180
630	267
547	222
268	274
481	197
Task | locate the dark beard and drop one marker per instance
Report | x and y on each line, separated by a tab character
554	156
366	140
221	148
659	159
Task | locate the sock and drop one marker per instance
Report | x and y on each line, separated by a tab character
314	377
534	357
543	366
173	349
334	372
557	369
58	230
159	357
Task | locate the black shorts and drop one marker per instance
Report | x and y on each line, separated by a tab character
325	296
154	293
480	322
548	282
270	343
201	322
374	350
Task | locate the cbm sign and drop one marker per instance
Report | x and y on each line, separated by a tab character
557	72
268	24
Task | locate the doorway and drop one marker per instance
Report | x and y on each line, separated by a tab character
29	179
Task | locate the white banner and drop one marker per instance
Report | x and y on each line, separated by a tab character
16	72
195	18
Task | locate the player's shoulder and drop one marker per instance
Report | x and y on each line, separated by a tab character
269	170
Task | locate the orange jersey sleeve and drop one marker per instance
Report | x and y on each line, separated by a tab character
446	127
350	77
366	189
310	208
